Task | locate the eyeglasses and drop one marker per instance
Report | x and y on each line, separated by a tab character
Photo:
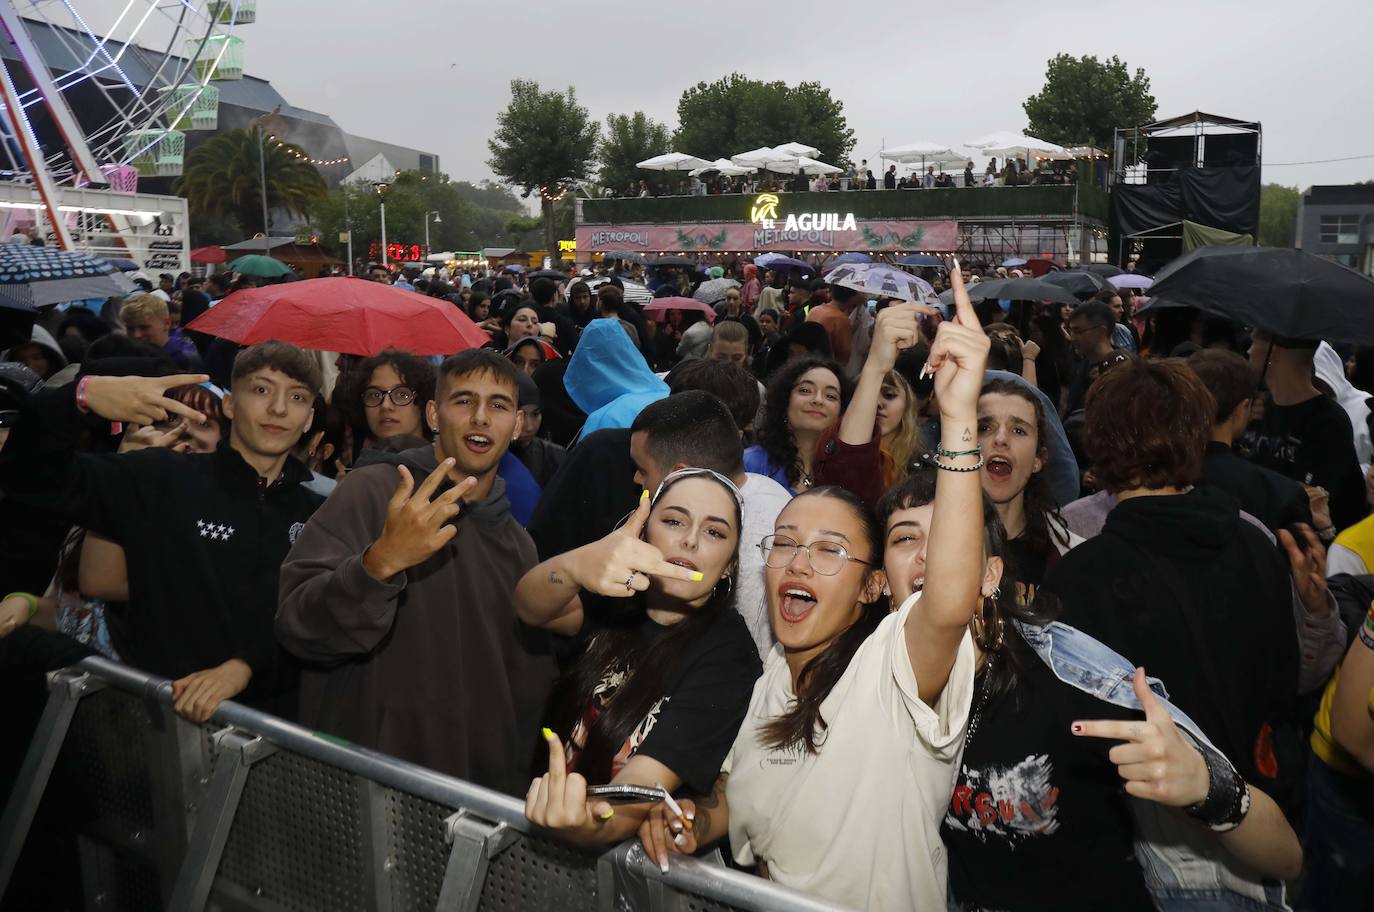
400	396
8	418
826	557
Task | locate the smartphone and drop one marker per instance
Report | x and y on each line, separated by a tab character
624	794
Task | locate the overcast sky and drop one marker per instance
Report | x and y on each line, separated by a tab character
433	74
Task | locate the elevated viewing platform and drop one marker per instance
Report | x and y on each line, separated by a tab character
1067	221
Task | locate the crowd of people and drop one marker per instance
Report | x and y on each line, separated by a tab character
1013	172
696	552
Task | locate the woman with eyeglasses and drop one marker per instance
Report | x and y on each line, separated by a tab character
659	692
841	773
389	392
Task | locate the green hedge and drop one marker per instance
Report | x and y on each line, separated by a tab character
959	203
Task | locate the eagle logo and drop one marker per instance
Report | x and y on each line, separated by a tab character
765	208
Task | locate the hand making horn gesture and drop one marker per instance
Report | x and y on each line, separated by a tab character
959	354
621	564
1156	760
417	522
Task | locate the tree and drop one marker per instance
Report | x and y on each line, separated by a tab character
1084	100
409	198
1278	215
222	178
629	138
735	114
544	143
488	195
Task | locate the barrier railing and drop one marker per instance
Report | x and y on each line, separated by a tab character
254	813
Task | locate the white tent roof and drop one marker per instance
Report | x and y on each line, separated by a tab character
923	152
1005	143
796	148
762	157
804	165
724	166
672	161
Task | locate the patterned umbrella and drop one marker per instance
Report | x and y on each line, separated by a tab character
883	281
635	292
713	291
32	277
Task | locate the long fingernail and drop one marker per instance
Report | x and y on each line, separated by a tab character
663	863
697	576
645	495
548	733
679	840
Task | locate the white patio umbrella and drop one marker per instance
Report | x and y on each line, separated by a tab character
1004	143
672	161
923	153
804	165
724	166
763	157
796	148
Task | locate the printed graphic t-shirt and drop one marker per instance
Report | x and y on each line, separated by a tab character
1039	819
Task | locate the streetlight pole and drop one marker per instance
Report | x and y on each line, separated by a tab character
437	221
380	187
262	185
348	226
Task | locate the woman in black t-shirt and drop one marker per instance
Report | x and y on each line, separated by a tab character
1038	819
666	676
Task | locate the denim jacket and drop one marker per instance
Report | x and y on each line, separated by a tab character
1184	867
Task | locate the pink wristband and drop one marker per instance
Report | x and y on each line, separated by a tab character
81	394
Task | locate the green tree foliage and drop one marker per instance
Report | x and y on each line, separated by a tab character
488	195
630	138
1278	215
408	198
222	179
735	114
544	143
1085	99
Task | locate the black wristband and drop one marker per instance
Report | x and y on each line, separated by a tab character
1228	797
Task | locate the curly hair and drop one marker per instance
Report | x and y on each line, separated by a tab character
415	372
1147	424
775	436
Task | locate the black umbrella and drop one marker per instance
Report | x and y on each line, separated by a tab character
1287	293
1082	284
628	256
548	274
1106	270
1021	290
672	261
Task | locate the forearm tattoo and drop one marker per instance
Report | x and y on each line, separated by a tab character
701	824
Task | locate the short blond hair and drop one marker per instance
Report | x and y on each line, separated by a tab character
141	308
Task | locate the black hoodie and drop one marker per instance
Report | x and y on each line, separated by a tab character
203	535
1183	586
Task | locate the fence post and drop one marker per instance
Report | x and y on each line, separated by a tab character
475	843
237	752
68	686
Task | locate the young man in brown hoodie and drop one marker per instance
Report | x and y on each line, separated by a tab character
398	595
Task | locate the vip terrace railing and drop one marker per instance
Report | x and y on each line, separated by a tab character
254	813
1034	202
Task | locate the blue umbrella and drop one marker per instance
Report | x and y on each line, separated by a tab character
920	259
1013	261
777	261
850	258
33	277
513	267
122	265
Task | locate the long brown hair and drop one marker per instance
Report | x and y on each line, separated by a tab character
802	723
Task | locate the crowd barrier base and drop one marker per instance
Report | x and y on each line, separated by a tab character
253	813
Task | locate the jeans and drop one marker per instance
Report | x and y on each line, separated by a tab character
1338	842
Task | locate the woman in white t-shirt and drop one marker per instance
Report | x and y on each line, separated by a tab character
842	770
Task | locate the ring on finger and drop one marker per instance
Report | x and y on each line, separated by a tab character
630	580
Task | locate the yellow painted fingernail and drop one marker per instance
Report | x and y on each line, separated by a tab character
645	495
608	815
547	733
697	576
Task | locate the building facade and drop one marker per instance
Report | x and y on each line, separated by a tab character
1337	222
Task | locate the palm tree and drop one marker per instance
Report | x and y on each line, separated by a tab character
221	177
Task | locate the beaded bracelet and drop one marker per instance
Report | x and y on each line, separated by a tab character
28	597
948	468
953	454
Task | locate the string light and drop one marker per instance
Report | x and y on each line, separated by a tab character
301	156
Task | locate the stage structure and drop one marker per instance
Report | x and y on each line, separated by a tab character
1181	183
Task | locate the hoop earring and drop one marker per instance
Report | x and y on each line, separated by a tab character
729	587
986	625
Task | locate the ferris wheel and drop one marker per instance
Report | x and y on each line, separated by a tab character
122	82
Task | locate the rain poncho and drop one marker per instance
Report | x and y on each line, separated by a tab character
609	379
1331	370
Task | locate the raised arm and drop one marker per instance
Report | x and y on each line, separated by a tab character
895	330
954	556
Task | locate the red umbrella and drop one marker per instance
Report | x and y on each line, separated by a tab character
214	254
659	307
347	315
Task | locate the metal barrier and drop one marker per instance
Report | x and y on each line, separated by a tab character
254	813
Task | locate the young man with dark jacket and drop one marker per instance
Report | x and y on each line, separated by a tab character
203	534
398	595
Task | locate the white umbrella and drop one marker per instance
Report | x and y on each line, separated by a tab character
796	148
1004	143
762	157
923	152
804	165
672	161
724	166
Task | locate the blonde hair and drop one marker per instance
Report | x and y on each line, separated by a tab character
907	445
143	307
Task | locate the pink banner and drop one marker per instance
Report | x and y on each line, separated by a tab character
870	236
